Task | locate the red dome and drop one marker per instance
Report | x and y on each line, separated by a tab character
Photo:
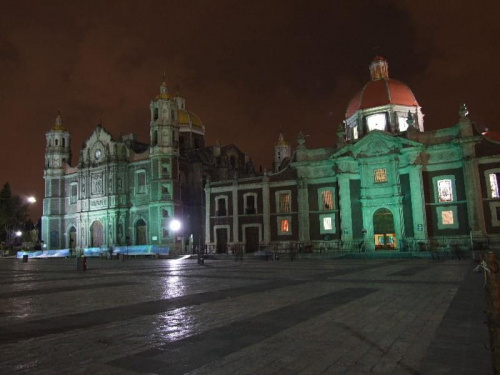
381	92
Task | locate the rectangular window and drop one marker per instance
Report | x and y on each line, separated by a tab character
494	186
445	191
164	172
221	207
74	193
327	199
284	202
285	226
327	223
250	205
380	175
447	217
141	182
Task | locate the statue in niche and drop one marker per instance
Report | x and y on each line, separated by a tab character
119	184
110	184
83	188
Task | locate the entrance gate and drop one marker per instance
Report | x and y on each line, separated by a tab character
97	234
383	229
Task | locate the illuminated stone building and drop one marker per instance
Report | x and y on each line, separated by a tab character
387	185
123	192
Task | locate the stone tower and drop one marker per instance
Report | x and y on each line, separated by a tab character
57	155
282	151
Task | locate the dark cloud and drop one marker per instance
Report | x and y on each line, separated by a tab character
248	69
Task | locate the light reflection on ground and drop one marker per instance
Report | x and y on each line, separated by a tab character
174	325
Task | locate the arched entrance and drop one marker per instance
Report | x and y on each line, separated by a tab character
140	232
72	238
96	234
383	230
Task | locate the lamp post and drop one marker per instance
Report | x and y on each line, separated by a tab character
175	226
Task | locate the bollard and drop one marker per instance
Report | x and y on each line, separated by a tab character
81	264
25	258
84	263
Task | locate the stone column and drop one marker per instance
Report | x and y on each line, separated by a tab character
207	212
234	192
345	207
418	203
303	202
266	209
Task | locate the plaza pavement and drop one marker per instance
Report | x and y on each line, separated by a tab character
253	317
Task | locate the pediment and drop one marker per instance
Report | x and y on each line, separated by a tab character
101	146
377	143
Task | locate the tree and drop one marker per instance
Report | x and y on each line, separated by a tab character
13	213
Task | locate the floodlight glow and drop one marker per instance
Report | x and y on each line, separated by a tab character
31	199
175	225
19	233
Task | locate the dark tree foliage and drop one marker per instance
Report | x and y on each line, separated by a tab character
13	214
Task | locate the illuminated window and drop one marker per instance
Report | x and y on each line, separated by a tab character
494	186
285	226
141	182
355	134
403	125
327	223
284	202
376	122
380	175
445	191
447	217
327	199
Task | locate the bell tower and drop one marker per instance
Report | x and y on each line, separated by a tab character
57	154
282	151
165	200
57	149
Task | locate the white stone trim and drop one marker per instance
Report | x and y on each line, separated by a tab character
217	208
227	227
277	202
245	226
245	197
278	222
440	224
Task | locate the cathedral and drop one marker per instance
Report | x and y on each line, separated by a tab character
386	186
123	193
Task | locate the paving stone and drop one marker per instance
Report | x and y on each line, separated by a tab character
305	317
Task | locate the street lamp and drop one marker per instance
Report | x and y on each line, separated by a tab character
175	226
31	199
19	233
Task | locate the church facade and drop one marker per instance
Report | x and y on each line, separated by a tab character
386	186
123	192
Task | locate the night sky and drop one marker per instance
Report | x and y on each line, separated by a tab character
246	68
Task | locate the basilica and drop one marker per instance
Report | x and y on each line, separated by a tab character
122	192
386	186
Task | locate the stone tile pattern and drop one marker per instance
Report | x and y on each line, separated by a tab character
304	317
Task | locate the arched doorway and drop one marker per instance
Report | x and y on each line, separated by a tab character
96	234
140	232
72	238
383	230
